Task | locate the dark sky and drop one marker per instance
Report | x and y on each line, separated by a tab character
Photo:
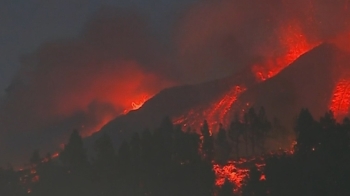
25	25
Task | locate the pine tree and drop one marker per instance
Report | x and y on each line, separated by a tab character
226	189
105	156
207	142
35	158
74	154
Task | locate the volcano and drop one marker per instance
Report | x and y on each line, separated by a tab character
316	80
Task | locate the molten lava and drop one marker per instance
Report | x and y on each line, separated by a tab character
237	171
294	43
137	103
340	102
231	172
217	112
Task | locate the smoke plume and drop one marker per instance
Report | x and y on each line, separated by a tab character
224	36
81	83
116	63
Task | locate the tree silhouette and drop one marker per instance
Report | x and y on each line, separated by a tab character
235	131
246	132
35	158
226	189
105	161
306	131
264	126
207	142
74	154
254	186
252	128
223	152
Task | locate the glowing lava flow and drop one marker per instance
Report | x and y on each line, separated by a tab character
340	102
231	172
137	103
295	44
215	114
219	110
237	171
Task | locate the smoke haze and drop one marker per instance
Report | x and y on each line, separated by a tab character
116	63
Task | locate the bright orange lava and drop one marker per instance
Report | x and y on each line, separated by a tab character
231	172
340	102
219	110
295	44
216	113
237	171
139	103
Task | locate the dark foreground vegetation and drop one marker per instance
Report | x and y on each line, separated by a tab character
174	162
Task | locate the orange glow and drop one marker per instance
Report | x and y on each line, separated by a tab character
340	101
115	88
231	172
237	171
35	179
262	177
55	155
294	42
217	112
137	104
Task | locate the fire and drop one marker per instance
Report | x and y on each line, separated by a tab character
263	177
217	112
294	43
340	102
237	171
231	172
138	103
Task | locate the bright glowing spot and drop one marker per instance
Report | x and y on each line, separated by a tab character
340	101
138	104
217	112
262	177
295	44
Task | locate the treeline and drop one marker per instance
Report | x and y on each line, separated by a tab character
245	135
163	162
320	164
172	161
167	161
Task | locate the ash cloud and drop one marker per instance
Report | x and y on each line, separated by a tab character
80	83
